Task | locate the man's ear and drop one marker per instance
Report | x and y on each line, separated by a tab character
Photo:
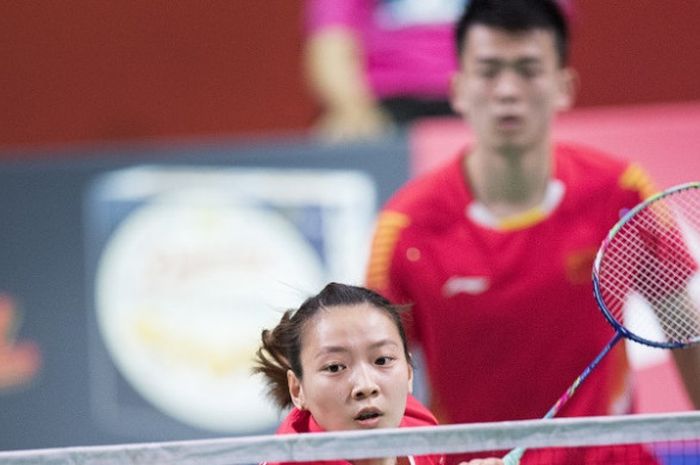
568	87
296	391
456	101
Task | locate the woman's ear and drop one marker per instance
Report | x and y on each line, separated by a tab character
296	391
410	379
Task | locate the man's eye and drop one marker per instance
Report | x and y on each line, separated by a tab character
528	71
487	72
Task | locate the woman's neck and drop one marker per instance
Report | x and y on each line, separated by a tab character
379	461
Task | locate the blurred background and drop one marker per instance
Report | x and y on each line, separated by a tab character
162	198
77	71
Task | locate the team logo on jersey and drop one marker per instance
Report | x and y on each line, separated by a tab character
578	264
472	285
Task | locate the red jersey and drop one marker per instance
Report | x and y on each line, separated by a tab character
301	421
503	309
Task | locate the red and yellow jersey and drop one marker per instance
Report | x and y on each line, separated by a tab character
301	421
503	309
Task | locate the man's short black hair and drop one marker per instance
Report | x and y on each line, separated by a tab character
516	16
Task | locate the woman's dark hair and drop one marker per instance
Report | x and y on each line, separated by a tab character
281	347
516	16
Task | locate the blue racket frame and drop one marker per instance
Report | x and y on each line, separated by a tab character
601	252
513	457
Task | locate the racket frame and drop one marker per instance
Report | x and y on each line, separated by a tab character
513	457
597	293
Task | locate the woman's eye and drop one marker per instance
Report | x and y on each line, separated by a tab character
384	360
333	368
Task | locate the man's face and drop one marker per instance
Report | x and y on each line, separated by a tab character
509	86
355	372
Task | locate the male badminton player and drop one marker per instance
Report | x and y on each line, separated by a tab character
494	250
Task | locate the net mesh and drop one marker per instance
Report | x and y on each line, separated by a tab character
647	273
650	453
664	439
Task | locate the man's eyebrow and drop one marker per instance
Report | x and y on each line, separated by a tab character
528	60
489	60
499	61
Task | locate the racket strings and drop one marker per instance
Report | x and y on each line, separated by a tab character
637	260
640	276
671	307
621	284
649	262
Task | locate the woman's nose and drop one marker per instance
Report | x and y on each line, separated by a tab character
364	384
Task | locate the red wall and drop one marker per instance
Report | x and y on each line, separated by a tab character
637	51
75	71
104	69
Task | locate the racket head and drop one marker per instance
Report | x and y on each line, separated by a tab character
646	276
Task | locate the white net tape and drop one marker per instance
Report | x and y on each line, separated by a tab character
566	432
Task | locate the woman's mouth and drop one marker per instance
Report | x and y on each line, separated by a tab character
368	417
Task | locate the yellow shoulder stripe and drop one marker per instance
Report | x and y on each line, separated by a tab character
389	226
636	178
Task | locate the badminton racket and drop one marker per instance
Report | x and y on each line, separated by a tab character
646	279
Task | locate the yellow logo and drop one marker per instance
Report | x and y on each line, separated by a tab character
19	361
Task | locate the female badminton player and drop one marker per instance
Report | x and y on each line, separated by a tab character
342	361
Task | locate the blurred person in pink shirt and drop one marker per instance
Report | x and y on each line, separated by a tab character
376	63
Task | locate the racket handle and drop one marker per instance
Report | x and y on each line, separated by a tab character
513	457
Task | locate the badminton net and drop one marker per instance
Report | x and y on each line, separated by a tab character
666	439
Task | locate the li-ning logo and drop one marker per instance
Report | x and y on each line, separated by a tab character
472	285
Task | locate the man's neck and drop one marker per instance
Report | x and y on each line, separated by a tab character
509	183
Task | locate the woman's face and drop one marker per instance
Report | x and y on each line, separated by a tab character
355	372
